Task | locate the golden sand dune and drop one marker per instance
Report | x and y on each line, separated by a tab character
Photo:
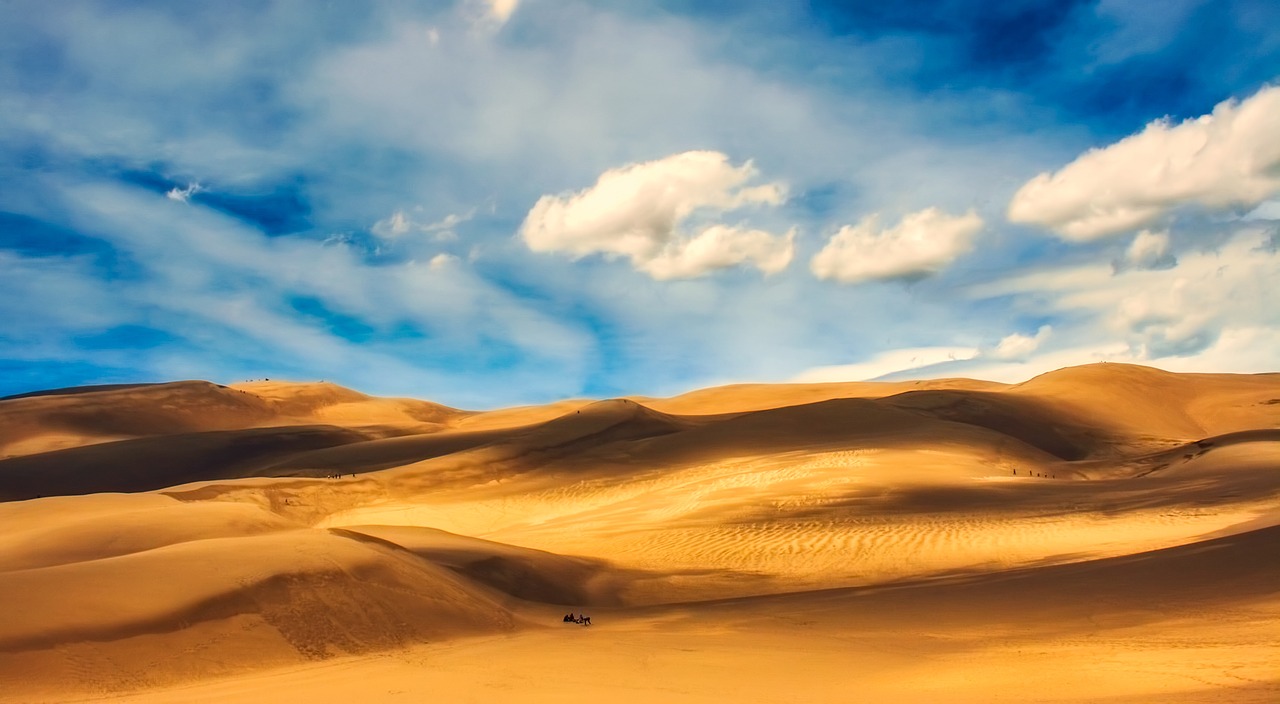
948	540
65	418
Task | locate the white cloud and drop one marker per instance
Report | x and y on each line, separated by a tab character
1168	318
440	261
886	363
502	10
399	224
183	195
1008	360
1238	350
720	247
1012	371
1018	346
491	13
1229	158
1149	250
643	211
1164	313
922	243
392	227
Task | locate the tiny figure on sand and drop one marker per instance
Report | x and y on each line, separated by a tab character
584	619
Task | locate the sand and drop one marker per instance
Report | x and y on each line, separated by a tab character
1099	533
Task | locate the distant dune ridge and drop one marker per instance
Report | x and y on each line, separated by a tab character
186	541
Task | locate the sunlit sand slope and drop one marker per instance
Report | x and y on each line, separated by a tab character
108	591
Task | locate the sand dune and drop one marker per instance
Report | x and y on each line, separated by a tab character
65	418
948	540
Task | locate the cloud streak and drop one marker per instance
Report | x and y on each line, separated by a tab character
887	363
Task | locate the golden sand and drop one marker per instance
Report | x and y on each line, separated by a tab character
1100	533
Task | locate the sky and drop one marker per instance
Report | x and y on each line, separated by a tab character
500	202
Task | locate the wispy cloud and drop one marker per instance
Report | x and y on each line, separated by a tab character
1178	311
400	223
492	13
887	363
183	195
1017	346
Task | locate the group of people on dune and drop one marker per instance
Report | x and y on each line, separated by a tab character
583	619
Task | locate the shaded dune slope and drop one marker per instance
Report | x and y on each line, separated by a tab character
524	573
148	463
1144	402
68	418
79	417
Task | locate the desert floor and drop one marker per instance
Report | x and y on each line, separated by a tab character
1101	533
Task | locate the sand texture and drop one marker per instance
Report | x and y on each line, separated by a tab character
1101	533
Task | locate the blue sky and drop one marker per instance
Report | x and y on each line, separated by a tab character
500	202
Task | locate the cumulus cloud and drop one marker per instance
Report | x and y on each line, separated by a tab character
1149	250
645	211
886	363
1018	346
720	247
1228	158
922	243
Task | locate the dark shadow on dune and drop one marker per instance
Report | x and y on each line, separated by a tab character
145	464
1032	421
385	453
539	576
1129	590
73	390
645	440
1162	485
524	573
221	606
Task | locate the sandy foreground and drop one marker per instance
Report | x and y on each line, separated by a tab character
1102	533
